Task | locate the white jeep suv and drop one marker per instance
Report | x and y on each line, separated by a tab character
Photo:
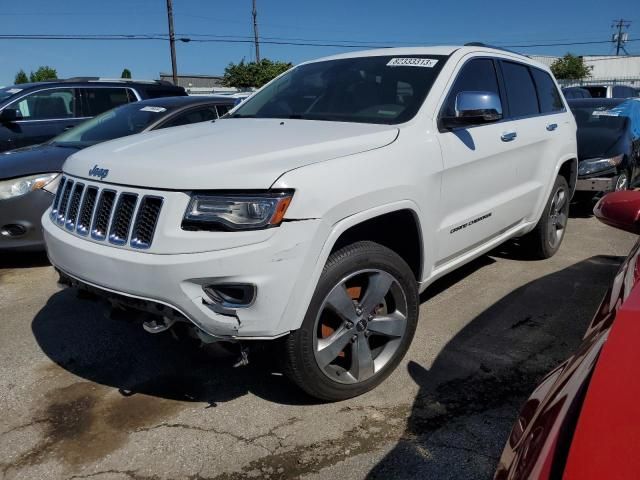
322	205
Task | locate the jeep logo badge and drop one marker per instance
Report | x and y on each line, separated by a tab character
100	173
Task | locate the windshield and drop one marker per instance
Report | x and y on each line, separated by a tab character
385	89
119	122
600	117
8	92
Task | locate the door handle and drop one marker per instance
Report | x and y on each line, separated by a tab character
68	127
508	136
552	126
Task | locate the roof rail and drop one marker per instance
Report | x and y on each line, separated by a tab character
485	45
116	80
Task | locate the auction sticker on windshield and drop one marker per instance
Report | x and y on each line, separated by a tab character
412	62
153	109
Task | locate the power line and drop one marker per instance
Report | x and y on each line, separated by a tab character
240	39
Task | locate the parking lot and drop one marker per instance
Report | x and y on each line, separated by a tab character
85	396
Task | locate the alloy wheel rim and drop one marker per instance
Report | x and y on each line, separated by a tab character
557	217
360	326
621	183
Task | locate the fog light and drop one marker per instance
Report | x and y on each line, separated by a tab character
231	295
13	230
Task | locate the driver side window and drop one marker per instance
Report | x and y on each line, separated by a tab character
477	75
47	104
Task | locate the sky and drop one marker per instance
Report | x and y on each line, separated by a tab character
371	22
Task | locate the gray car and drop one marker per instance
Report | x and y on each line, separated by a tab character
29	176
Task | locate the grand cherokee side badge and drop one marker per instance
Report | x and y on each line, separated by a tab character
100	173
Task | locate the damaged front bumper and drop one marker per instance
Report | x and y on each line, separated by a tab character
171	285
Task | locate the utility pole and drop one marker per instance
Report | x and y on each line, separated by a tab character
621	37
172	42
255	31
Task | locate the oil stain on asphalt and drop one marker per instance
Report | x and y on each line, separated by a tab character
84	422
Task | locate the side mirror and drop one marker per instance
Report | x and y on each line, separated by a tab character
620	210
474	108
9	115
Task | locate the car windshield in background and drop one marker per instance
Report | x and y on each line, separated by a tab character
609	117
119	122
8	92
381	89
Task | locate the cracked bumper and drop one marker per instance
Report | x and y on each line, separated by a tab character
176	280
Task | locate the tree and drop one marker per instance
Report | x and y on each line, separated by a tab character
570	67
21	77
126	73
252	74
43	73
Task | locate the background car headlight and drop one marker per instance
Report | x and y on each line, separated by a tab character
594	165
20	186
236	212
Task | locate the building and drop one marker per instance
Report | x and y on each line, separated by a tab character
200	84
624	69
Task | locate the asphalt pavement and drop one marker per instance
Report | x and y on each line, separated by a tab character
86	395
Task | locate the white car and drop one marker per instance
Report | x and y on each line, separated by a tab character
322	206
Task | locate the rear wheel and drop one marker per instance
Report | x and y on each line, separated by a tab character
359	324
545	239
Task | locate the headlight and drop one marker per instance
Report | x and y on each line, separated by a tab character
236	212
19	186
594	165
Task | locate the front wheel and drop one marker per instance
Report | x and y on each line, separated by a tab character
359	324
545	239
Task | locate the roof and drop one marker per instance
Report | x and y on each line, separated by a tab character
84	81
435	50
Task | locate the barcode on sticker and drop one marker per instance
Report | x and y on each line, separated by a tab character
412	62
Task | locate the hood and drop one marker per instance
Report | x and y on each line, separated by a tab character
32	160
601	142
228	154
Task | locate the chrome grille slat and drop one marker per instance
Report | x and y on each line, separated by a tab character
86	212
102	215
64	201
146	221
74	206
56	200
109	215
122	216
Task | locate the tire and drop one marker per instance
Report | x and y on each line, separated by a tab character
545	239
353	336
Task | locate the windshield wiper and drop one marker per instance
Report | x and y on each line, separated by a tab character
239	115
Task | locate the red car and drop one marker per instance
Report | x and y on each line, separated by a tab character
583	420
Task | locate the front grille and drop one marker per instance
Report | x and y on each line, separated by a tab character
107	214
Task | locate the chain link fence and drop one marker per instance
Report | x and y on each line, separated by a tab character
631	81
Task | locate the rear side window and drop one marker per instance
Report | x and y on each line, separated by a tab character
521	92
98	100
548	95
477	75
50	104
